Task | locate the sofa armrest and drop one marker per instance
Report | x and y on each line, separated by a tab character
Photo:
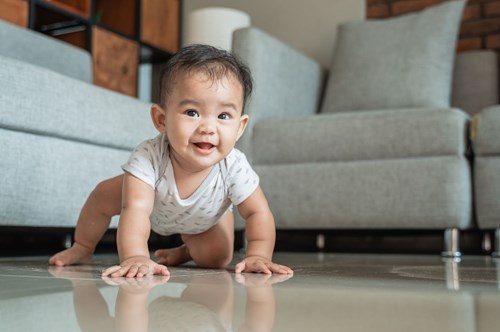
38	49
286	82
41	101
484	132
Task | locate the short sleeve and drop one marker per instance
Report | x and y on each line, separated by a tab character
243	180
144	162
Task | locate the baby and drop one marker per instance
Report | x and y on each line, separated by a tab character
185	180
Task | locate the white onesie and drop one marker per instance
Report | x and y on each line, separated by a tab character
231	181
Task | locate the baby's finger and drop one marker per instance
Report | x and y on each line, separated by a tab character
265	268
280	269
110	270
119	273
259	267
132	271
161	270
142	271
240	267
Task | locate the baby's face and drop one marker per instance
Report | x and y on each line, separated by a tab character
203	119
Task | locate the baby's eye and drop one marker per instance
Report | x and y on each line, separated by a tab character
192	113
224	116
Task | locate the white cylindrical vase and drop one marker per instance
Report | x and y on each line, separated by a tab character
214	26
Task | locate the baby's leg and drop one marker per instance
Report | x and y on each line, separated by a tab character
211	249
103	203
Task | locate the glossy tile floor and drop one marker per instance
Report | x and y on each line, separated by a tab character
328	292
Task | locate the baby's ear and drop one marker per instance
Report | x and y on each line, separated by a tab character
243	125
158	115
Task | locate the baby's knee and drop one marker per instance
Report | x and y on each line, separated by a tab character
218	260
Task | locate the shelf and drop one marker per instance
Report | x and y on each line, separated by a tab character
117	15
15	11
160	24
77	7
115	61
65	26
119	34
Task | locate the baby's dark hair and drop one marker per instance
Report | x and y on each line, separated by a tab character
214	62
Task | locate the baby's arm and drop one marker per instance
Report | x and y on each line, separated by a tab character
133	232
261	235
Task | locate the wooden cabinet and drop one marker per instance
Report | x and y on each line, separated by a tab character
115	61
14	11
158	18
120	34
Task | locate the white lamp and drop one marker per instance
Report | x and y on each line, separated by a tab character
214	26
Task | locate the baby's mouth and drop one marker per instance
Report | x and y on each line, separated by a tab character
204	147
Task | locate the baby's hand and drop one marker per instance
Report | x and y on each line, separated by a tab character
138	267
261	265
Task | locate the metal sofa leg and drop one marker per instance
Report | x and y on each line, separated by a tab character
451	243
496	253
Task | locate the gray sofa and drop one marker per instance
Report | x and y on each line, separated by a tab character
392	168
60	134
486	146
399	168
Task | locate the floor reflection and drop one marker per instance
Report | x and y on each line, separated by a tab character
327	293
206	302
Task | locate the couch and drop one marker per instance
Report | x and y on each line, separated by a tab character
392	166
486	146
367	147
60	134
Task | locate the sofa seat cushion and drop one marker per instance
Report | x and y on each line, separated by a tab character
371	135
41	101
485	132
413	193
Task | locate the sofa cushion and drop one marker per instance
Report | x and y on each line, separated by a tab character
46	180
38	49
405	61
278	90
485	132
41	101
419	193
386	134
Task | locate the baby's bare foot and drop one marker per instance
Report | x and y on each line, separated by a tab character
173	257
75	255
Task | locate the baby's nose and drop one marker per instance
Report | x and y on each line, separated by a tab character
207	127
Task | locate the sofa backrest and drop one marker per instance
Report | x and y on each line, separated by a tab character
475	81
38	49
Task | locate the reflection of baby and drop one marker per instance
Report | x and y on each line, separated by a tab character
179	315
203	305
91	309
202	300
